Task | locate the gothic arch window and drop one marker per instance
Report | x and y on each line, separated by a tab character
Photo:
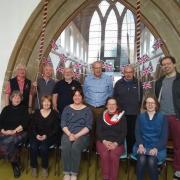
94	37
112	35
111	32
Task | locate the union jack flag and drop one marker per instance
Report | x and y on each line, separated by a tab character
150	67
77	75
143	59
147	85
157	44
54	46
146	71
60	69
62	58
47	61
77	66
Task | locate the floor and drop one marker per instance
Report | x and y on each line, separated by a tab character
7	174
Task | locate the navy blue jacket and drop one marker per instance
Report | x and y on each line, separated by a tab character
129	95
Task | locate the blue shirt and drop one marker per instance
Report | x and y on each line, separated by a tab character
152	133
97	90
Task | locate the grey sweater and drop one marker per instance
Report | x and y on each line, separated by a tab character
75	120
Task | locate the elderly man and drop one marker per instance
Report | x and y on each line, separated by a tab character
128	92
97	88
62	93
21	83
167	90
44	85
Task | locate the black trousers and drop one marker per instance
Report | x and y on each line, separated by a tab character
131	123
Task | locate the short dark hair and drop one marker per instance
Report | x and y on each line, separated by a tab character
154	98
173	60
114	98
78	90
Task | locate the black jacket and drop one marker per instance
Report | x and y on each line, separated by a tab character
129	96
175	92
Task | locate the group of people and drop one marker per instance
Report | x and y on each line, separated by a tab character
93	114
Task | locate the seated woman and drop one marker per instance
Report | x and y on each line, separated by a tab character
151	138
13	121
111	133
76	122
43	134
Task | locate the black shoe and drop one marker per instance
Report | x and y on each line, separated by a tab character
16	170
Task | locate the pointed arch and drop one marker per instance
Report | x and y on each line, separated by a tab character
94	38
111	32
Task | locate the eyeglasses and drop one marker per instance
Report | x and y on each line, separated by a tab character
150	103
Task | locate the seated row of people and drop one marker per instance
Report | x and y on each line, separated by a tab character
76	123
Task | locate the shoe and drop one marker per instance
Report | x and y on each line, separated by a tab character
67	177
34	172
16	169
176	175
73	177
44	172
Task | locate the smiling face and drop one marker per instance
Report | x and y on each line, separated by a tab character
16	100
46	104
111	106
77	98
97	69
150	105
168	67
47	71
21	71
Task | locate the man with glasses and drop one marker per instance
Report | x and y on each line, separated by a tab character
128	92
167	90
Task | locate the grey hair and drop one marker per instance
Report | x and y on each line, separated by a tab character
15	93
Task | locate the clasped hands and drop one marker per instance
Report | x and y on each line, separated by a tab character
73	137
142	150
110	145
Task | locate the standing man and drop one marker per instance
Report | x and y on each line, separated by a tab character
167	90
44	85
62	93
97	88
22	84
128	92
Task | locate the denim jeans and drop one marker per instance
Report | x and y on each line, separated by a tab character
147	162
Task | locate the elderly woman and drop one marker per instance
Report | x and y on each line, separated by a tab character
111	134
22	84
43	134
13	121
76	122
151	138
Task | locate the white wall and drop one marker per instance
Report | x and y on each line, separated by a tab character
13	16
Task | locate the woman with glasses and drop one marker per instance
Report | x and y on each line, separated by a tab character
151	138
